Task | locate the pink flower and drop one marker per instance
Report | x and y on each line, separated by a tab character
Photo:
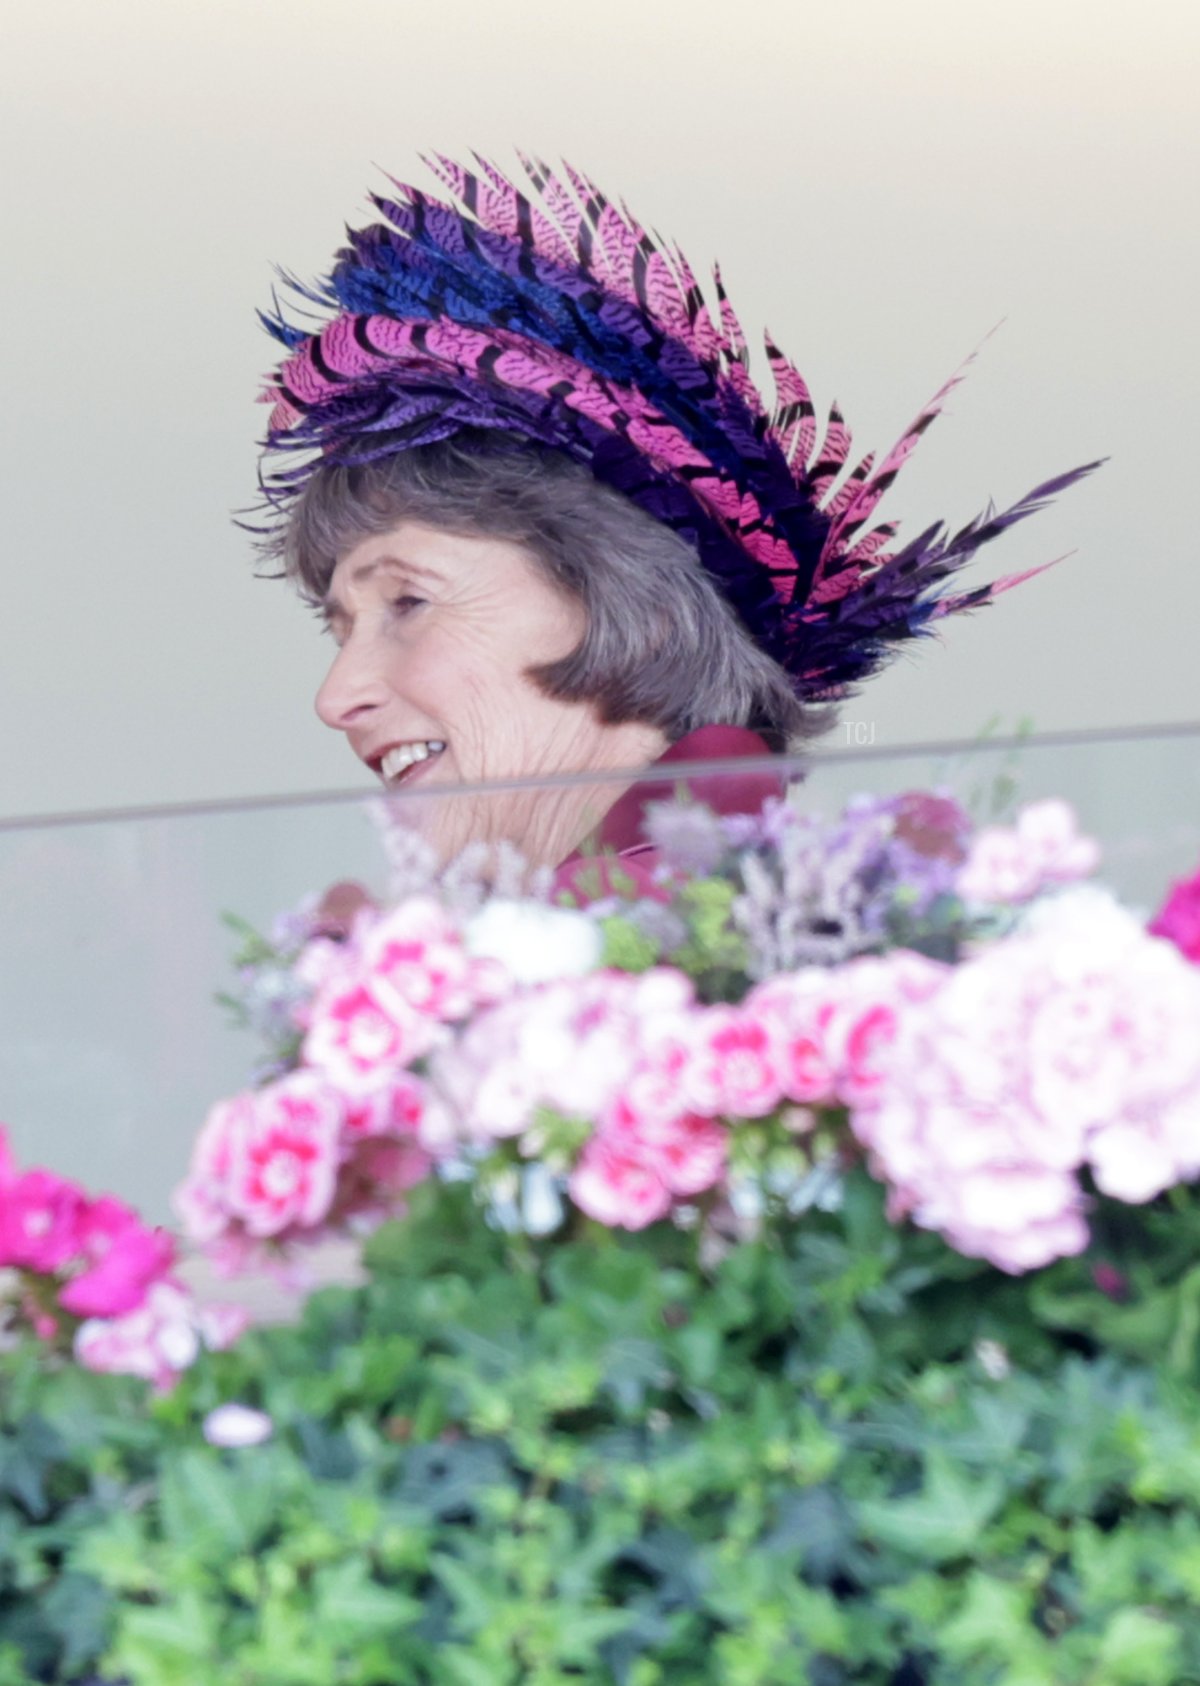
265	1162
796	1008
997	869
569	1046
872	998
733	1070
324	966
360	1040
221	1325
660	1077
202	1202
1011	864
689	1153
8	1169
397	1110
614	1185
283	1169
157	1341
40	1216
1073	1042
1179	918
634	1167
1059	852
414	958
126	1256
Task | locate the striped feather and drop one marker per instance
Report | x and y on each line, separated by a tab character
553	315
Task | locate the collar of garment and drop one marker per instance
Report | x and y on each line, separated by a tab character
621	831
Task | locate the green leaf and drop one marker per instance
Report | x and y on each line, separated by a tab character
217	1510
942	1522
172	1645
1139	1648
350	1604
79	1611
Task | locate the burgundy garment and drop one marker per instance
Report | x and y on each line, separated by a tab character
623	849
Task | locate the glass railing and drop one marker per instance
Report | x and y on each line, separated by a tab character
113	952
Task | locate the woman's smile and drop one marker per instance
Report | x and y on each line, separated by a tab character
405	759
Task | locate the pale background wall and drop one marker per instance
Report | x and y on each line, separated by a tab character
882	182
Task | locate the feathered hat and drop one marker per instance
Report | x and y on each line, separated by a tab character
553	316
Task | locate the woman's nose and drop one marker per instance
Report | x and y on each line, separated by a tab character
351	689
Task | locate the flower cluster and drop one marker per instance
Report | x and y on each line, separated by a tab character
161	1338
1012	864
997	1041
87	1270
629	1084
818	893
1072	1045
336	1143
85	1257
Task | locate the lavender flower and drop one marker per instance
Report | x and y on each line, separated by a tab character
687	836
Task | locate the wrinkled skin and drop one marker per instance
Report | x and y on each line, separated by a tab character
436	632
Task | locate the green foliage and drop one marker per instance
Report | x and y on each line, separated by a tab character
841	1455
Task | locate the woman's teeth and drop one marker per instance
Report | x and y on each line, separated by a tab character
397	761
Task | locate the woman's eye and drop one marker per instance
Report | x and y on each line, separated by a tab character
403	605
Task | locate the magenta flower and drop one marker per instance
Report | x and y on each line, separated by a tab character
126	1258
1179	918
40	1216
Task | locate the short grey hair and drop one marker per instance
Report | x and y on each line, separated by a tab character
662	645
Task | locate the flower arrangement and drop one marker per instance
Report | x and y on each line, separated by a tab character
998	1039
794	1281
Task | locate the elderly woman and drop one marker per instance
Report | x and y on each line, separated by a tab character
552	526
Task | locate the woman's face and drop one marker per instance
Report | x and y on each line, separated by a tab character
435	634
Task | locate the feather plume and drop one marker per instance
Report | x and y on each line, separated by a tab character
552	314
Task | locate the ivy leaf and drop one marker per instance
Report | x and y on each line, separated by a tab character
350	1604
78	1609
1139	1649
944	1520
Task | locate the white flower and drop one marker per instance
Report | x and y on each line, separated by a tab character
993	1360
534	943
237	1425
